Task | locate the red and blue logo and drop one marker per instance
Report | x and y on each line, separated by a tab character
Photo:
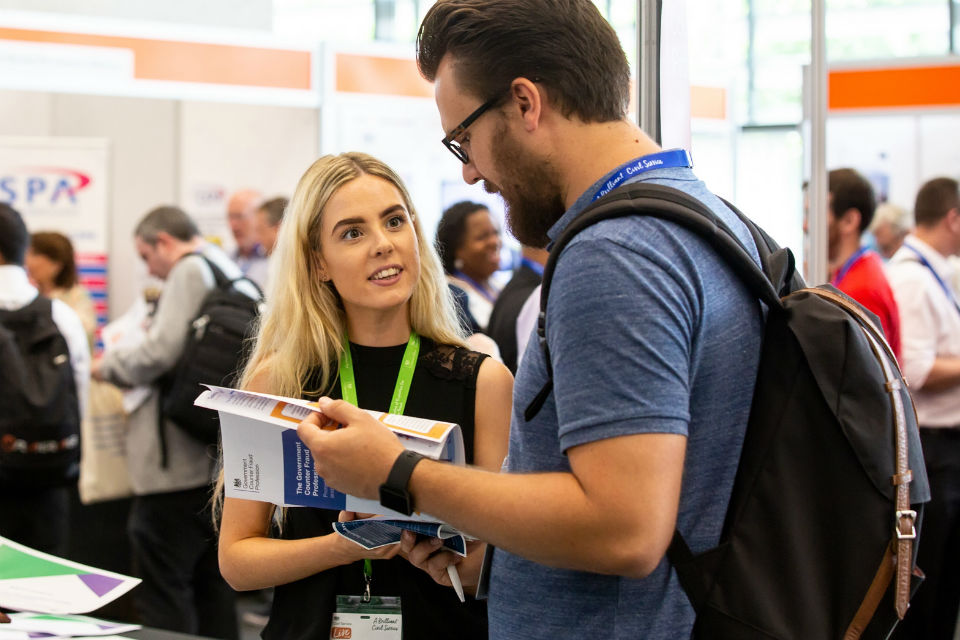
42	186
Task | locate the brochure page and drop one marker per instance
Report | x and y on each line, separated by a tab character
264	459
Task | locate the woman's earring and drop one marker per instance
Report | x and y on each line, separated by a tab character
458	264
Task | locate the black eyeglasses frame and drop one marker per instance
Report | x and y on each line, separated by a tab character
450	140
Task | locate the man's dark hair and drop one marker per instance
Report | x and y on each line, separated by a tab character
934	200
850	190
13	236
58	248
169	219
275	208
452	229
564	45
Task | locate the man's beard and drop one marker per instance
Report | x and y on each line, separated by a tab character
530	189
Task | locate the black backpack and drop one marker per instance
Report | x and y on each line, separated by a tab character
819	539
39	412
215	352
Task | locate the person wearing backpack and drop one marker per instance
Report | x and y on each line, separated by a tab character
655	343
44	379
171	469
920	273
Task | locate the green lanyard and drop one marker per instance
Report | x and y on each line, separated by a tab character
348	390
348	384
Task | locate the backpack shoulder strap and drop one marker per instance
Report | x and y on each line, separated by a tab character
777	263
673	205
37	314
41	305
220	278
222	281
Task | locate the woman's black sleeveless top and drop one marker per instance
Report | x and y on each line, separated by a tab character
443	388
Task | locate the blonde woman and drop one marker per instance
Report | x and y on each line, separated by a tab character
356	276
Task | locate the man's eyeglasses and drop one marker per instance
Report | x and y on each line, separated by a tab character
450	141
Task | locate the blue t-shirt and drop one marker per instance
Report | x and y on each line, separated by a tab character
649	332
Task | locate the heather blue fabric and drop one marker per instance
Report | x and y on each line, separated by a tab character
649	332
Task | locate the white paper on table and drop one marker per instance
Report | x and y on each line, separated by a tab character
264	459
39	582
31	635
66	625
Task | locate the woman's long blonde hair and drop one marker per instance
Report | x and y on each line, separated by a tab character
304	324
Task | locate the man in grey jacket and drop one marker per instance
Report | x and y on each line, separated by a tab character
170	527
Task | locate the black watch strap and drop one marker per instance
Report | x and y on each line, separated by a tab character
393	493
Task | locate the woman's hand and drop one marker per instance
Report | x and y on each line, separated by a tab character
349	551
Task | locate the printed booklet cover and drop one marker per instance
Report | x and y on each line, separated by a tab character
264	459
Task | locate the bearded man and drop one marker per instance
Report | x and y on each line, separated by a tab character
654	341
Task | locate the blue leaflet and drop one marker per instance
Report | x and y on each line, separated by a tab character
371	534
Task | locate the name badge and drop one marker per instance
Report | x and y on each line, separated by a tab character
379	618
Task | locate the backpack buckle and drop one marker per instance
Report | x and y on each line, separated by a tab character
906	513
200	326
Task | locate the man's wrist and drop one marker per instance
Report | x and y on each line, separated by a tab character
395	491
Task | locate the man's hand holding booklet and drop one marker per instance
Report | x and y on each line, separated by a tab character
265	460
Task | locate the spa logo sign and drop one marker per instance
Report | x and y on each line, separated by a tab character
45	187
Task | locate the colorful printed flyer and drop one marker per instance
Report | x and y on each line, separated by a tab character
42	583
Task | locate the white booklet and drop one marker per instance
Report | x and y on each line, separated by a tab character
264	459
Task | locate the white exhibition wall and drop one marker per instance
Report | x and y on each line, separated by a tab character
898	151
195	153
165	151
224	147
405	133
762	170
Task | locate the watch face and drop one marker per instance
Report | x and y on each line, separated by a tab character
395	499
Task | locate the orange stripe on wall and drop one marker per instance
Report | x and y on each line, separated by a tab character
932	86
191	61
708	102
389	76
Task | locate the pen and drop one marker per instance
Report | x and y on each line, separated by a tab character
455	579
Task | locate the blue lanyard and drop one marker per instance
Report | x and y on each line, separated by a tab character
661	160
486	292
936	276
852	260
536	267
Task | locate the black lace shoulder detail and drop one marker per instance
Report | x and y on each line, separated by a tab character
447	362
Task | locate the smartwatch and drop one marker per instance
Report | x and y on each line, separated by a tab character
393	493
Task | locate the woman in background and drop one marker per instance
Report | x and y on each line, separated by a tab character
361	289
469	245
52	267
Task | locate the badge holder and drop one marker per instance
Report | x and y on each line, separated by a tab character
367	617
